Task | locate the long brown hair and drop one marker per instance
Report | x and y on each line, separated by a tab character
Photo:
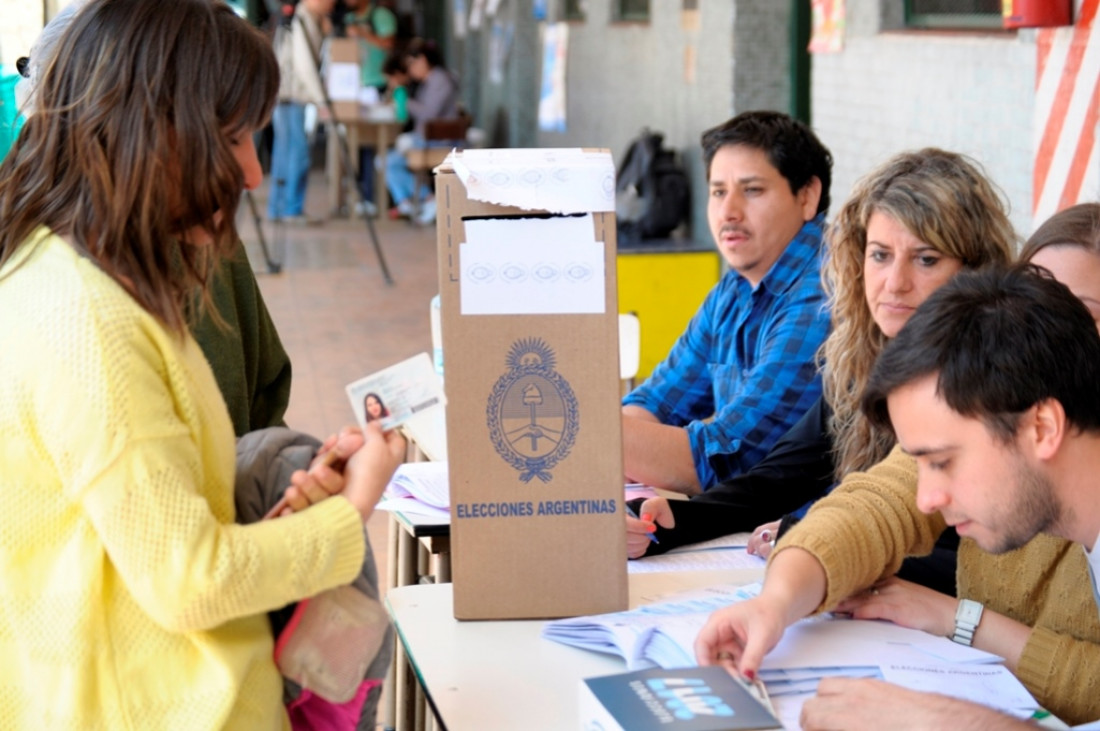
129	144
944	199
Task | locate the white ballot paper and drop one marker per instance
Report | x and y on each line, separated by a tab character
419	488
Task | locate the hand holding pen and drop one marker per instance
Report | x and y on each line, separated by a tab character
647	519
639	530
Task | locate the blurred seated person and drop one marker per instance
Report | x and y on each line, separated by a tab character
436	97
398	88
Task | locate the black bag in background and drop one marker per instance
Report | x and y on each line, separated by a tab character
652	195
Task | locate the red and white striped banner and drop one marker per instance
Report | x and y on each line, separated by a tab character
1067	99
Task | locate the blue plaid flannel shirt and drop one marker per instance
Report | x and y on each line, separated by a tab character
747	358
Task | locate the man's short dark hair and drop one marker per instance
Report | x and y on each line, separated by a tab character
792	148
1001	340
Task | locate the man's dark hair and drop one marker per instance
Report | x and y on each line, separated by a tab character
1001	340
792	148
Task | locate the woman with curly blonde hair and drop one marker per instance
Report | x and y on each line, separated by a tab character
944	200
906	229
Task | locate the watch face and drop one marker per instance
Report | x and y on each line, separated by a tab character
969	612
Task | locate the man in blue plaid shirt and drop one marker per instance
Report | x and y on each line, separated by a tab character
747	357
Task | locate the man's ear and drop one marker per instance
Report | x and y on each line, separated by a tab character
1046	428
808	198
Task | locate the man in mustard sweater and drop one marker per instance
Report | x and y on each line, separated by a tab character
990	387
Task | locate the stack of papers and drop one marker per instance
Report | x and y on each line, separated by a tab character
419	488
654	635
663	635
725	552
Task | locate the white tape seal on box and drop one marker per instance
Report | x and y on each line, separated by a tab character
568	180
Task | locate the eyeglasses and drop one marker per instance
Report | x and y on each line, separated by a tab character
23	66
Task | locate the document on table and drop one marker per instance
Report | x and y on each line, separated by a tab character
419	488
725	552
989	685
651	635
663	634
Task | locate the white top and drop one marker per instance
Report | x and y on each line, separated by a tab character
1093	557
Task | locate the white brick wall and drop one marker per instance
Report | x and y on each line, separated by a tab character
892	91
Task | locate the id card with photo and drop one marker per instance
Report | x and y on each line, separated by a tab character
394	394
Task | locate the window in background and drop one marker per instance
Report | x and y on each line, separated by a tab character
635	10
953	14
572	10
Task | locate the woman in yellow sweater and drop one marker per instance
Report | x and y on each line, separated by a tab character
129	598
1038	612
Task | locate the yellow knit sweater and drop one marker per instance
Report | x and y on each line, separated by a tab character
129	599
868	524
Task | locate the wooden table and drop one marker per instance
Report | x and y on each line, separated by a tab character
361	130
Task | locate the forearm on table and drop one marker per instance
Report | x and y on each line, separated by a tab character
796	581
1000	635
659	455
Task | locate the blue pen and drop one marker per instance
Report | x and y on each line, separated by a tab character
632	514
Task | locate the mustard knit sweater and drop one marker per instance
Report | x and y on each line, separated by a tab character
870	522
129	599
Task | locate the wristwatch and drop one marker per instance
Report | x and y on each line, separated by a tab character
967	617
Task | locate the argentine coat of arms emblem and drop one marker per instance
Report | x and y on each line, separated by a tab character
532	411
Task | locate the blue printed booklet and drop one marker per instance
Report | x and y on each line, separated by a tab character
678	699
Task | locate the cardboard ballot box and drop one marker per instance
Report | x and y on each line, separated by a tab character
530	341
342	77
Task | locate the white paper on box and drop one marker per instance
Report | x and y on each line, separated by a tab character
532	266
568	180
343	81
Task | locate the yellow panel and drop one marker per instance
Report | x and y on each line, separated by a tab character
664	289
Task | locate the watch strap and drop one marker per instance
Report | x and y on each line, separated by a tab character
967	618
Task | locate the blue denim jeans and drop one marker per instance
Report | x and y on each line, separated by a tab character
399	179
289	161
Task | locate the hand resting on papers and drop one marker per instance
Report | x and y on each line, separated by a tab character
905	603
869	705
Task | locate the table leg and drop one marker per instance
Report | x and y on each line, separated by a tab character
409	550
381	192
423	563
404	692
420	707
393	573
443	567
334	164
353	150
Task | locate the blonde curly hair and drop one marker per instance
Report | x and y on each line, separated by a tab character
942	198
